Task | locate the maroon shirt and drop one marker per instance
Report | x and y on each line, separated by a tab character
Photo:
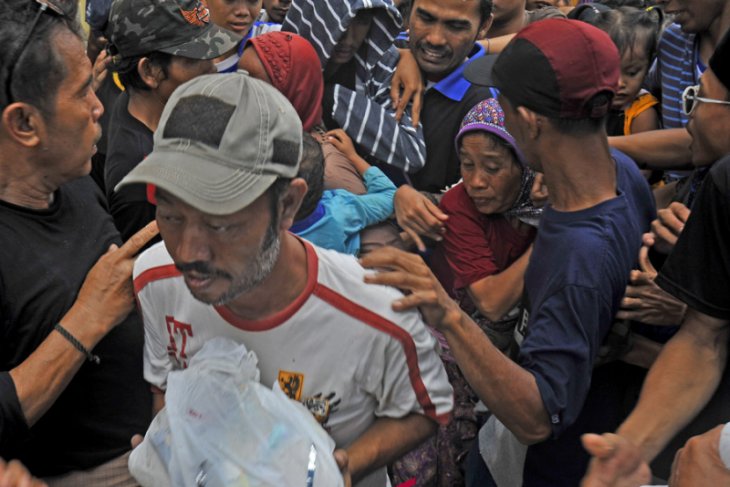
474	246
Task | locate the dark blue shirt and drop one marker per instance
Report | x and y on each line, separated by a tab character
577	276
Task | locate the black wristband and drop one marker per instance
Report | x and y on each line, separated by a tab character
77	344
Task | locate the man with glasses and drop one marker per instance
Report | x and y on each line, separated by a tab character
690	367
71	388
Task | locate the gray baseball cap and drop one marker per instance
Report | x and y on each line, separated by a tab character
222	141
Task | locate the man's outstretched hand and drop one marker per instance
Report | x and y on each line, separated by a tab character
616	462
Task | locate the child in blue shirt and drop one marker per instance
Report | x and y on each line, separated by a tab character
333	219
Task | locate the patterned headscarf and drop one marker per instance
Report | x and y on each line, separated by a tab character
488	116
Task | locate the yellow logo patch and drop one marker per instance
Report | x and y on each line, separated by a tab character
292	383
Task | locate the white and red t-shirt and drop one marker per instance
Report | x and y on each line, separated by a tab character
339	347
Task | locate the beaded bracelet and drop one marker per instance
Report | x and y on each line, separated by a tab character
77	344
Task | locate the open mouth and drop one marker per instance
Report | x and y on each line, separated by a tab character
239	27
196	281
433	56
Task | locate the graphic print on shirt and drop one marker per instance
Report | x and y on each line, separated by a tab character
291	383
321	406
178	332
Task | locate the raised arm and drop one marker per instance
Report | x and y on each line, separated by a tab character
370	119
495	295
104	300
656	149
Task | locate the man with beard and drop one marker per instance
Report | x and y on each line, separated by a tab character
224	156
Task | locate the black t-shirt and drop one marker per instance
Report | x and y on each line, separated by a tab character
130	141
44	258
698	269
698	273
441	117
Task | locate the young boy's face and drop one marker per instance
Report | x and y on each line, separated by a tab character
235	15
634	66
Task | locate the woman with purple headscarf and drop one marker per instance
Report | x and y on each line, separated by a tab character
481	262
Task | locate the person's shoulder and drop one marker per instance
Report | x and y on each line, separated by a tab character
720	173
455	198
153	264
341	283
673	37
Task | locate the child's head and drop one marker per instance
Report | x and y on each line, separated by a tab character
311	169
635	34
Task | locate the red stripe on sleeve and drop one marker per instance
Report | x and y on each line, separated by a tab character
154	274
404	338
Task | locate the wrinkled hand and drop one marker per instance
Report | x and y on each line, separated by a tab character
343	461
409	273
407	86
342	142
539	191
418	216
14	474
699	462
666	228
106	296
646	302
100	69
616	462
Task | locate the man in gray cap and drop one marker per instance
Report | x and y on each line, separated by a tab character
157	45
225	160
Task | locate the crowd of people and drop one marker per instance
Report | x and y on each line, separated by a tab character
483	242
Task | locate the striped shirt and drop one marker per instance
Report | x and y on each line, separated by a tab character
230	64
677	66
365	113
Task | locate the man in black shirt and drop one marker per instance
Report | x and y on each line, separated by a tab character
156	50
690	367
65	290
443	36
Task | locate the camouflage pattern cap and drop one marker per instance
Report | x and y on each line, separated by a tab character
177	27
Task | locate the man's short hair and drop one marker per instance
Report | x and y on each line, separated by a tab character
485	10
39	71
129	73
311	169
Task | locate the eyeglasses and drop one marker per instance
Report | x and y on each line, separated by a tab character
690	99
43	6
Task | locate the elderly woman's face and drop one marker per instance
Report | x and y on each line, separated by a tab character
491	173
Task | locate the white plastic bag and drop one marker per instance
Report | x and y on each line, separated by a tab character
222	428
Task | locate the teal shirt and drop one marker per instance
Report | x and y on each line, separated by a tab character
340	215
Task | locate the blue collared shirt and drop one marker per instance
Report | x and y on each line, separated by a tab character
454	86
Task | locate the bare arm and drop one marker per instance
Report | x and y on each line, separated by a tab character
495	295
646	121
656	149
508	390
104	300
344	144
158	402
672	395
387	440
495	45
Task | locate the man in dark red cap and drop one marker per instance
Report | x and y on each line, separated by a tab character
586	245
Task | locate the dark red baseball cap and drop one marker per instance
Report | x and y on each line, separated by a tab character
554	67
